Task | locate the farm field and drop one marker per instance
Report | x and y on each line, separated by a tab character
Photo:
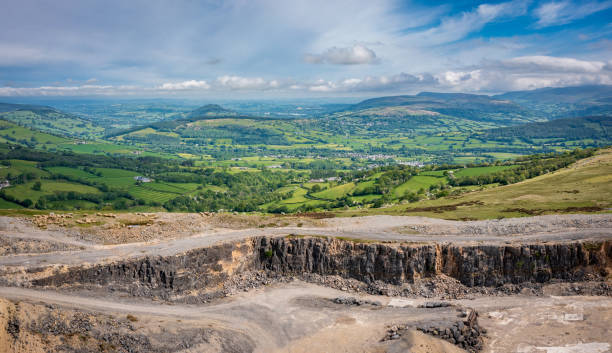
335	192
49	187
417	183
480	170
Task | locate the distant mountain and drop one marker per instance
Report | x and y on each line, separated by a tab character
565	101
210	124
48	119
210	110
573	95
459	105
598	128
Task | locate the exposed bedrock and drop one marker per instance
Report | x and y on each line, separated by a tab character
477	265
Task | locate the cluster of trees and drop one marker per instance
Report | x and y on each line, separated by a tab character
239	134
100	186
119	200
246	192
392	176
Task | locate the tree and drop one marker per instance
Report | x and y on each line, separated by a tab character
37	186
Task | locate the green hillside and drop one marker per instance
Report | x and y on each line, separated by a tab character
565	101
466	106
585	186
440	131
561	131
48	119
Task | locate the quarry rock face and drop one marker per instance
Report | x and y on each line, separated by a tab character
475	265
486	265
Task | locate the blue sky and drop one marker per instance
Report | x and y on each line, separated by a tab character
268	49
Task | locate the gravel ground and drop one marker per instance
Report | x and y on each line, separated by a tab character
497	227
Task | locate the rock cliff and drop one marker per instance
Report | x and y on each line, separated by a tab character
477	265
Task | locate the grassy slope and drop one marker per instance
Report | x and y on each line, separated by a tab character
24	191
587	183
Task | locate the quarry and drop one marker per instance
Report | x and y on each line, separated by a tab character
304	283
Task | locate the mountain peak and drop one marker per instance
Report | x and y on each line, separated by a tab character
209	109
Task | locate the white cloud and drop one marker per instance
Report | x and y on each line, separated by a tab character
399	82
554	64
246	83
355	55
64	90
527	72
456	78
556	13
490	76
185	85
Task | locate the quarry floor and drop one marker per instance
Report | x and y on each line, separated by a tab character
297	316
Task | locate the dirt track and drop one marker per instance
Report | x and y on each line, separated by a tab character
379	228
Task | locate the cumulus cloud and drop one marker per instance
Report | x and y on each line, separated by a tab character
82	90
355	55
552	64
185	85
527	72
556	13
399	82
246	83
490	76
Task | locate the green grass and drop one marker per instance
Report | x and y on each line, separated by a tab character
17	167
297	198
477	171
24	191
215	188
53	122
72	172
172	188
335	192
434	173
116	173
363	185
112	177
161	191
12	133
417	182
143	193
8	205
585	186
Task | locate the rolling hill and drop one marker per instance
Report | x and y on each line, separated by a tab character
210	110
474	107
48	119
597	128
577	94
566	101
584	186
